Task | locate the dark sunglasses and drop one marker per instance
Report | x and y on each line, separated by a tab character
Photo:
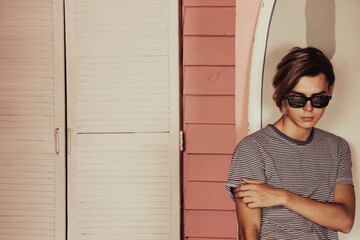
298	101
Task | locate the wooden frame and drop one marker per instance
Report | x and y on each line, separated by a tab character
174	115
59	86
257	65
71	122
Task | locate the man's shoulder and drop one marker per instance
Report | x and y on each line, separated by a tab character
254	139
328	136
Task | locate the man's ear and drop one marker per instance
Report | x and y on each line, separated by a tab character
283	108
331	88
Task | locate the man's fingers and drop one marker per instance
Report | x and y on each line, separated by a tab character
250	202
252	205
244	187
242	194
247	200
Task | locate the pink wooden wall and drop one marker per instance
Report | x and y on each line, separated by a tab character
211	125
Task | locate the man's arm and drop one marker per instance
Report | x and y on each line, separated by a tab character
249	220
338	215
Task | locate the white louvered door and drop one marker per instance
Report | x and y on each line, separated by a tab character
32	107
123	119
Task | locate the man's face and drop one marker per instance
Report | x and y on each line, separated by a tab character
306	116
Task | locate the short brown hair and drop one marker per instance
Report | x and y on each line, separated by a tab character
297	63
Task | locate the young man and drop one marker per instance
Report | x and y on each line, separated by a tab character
291	180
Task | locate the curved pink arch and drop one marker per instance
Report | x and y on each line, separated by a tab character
246	19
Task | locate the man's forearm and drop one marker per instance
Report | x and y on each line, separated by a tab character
338	215
248	233
249	221
331	215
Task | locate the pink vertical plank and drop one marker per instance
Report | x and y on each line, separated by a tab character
246	18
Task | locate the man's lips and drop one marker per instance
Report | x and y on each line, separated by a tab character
307	119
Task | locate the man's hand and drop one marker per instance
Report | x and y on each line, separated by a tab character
257	194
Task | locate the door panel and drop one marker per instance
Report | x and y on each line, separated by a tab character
123	118
32	120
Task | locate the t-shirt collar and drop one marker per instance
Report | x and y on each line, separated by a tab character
298	142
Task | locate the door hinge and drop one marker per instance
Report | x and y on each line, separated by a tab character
181	136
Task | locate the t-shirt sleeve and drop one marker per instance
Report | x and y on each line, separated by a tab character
246	163
344	174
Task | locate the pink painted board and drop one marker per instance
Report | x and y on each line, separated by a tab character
204	50
208	196
209	21
211	139
213	3
206	80
203	223
209	109
208	167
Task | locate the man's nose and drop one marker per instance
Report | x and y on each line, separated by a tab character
308	106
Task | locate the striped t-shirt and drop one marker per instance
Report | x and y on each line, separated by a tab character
309	168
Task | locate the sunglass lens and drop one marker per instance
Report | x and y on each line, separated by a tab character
320	101
296	101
